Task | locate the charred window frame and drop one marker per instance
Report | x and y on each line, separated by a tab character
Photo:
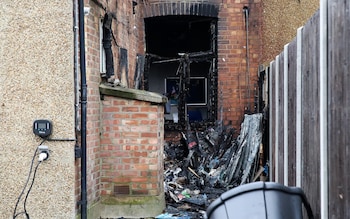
183	73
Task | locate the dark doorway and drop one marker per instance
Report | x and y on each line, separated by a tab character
181	60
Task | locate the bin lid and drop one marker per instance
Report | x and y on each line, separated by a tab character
246	188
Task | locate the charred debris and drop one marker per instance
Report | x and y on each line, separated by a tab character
206	163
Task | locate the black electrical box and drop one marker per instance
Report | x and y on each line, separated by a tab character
42	128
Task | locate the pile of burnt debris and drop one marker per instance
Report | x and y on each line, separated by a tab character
205	164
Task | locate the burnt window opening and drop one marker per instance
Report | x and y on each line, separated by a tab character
181	60
106	53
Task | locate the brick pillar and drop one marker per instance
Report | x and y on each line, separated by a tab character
132	140
131	147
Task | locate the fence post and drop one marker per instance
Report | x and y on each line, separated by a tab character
276	117
298	109
285	115
323	109
271	163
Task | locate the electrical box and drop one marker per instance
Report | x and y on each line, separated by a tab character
42	128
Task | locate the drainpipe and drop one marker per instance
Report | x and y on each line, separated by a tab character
83	100
246	16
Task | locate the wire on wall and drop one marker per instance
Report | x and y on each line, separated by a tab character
15	214
30	188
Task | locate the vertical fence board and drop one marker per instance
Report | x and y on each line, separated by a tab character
339	109
292	71
310	113
280	127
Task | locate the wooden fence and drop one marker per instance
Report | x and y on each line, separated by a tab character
309	102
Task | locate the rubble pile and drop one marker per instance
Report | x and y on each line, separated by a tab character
207	163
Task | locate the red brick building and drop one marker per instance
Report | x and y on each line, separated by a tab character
203	43
195	52
204	55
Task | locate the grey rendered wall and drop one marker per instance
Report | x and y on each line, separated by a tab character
36	81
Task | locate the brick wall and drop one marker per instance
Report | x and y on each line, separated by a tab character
131	147
92	43
93	107
128	34
236	92
128	31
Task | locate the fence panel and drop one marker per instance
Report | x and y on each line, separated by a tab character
300	145
310	113
272	107
302	57
292	71
280	117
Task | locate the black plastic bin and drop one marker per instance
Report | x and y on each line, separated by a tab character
260	200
